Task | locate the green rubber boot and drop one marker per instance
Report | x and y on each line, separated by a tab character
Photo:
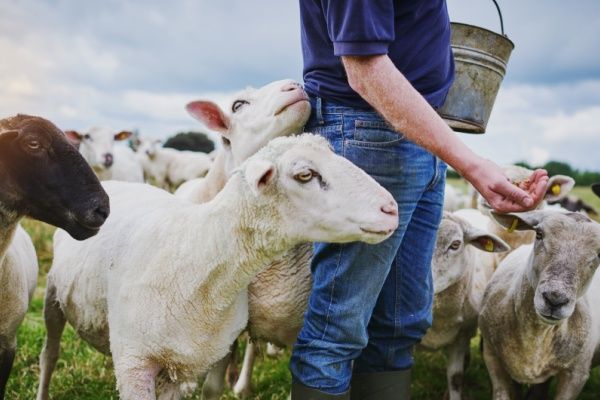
381	386
301	392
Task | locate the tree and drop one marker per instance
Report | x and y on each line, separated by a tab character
193	141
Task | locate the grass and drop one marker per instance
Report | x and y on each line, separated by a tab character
84	374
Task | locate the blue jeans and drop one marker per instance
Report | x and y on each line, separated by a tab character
370	304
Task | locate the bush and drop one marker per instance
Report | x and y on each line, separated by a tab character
193	141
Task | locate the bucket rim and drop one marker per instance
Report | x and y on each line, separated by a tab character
487	30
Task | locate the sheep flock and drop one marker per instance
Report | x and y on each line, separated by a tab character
165	260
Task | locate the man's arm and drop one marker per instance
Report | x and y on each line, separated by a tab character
377	80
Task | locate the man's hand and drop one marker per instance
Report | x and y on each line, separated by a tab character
504	196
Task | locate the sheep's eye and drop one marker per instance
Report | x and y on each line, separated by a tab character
87	136
226	142
304	176
34	145
455	245
238	104
539	235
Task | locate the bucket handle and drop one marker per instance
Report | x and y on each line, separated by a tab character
500	14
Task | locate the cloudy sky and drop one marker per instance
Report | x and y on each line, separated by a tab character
135	64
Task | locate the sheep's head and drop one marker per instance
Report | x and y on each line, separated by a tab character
44	177
596	189
255	116
96	145
452	258
565	256
319	195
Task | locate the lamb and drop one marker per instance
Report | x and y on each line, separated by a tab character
539	316
253	117
41	176
279	295
171	311
97	146
462	265
169	168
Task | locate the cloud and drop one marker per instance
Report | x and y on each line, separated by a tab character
532	122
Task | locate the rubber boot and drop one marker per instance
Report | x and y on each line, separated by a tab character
301	392
386	385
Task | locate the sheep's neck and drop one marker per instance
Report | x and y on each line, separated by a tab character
8	225
216	178
247	241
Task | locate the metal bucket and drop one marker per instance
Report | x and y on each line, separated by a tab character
480	58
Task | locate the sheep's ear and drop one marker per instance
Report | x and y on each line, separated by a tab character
596	189
123	135
485	241
210	114
260	174
558	188
74	137
519	221
8	136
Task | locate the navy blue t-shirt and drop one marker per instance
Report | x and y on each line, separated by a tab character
414	33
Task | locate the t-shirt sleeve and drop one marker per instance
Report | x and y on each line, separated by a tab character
359	27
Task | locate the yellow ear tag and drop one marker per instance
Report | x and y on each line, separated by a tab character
555	189
513	226
489	245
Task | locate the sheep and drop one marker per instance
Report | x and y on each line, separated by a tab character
540	316
455	200
596	189
462	265
167	313
277	296
252	118
97	146
44	177
169	168
575	204
558	187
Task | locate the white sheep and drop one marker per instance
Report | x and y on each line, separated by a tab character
454	200
169	168
109	161
172	310
41	176
252	118
462	265
540	316
278	295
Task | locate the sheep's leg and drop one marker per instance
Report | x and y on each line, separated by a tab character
502	384
570	383
233	372
136	379
215	380
7	357
55	323
243	387
458	352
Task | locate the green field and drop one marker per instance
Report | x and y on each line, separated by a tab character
83	373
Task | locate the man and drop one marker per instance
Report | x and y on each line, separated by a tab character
375	71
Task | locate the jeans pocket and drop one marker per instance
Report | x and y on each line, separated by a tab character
374	133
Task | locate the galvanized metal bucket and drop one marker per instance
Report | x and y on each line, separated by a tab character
480	58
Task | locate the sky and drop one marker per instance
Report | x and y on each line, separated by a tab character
135	64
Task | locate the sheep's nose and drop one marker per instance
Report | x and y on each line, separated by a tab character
390	209
290	87
555	298
108	160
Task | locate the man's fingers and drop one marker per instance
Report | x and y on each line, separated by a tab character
516	194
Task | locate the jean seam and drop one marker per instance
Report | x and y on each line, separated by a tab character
337	267
436	174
